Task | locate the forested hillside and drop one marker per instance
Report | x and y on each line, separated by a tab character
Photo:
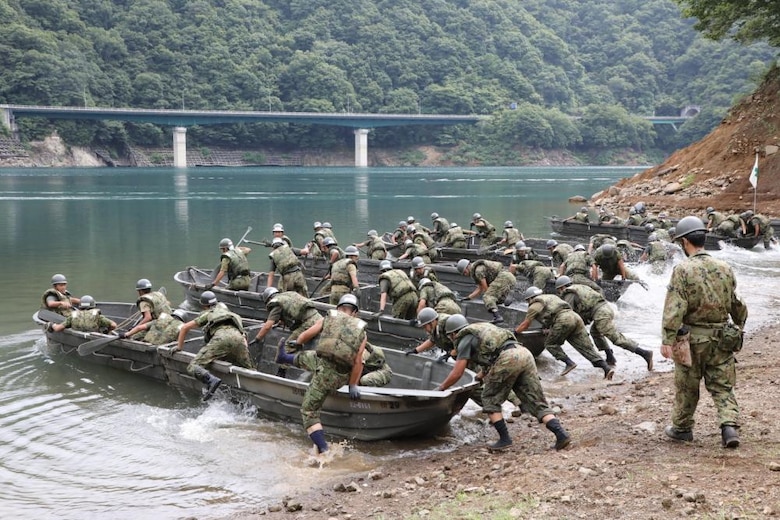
607	61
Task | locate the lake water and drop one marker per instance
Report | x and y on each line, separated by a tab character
78	441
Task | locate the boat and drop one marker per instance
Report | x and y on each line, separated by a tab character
408	407
384	329
637	234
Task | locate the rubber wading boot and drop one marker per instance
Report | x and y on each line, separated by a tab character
504	440
648	357
609	371
497	318
678	435
570	365
562	437
212	383
611	361
729	436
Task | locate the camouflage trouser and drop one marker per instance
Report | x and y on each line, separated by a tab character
717	368
381	377
611	275
336	292
514	370
294	282
239	283
489	239
727	228
541	277
767	236
379	254
497	291
568	326
311	318
228	344
458	244
328	377
476	395
405	307
604	327
448	306
585	280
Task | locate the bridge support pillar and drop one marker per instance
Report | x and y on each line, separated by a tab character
7	119
180	147
361	147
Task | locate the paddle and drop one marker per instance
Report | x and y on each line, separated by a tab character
51	316
90	347
265	243
314	292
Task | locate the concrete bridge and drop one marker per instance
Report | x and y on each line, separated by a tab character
180	119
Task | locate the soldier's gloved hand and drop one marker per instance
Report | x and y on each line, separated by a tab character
354	393
209	286
443	358
410	351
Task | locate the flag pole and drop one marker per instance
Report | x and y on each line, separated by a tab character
754	181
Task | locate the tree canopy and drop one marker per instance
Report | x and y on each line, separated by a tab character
743	20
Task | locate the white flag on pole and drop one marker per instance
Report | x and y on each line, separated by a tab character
754	174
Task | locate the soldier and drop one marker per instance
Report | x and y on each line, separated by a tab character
699	300
505	366
420	270
440	226
714	219
57	298
284	259
316	246
223	335
510	235
484	229
599	239
420	237
593	308
296	312
343	275
634	218
86	318
415	249
611	264
151	304
454	237
164	329
581	216
234	264
434	323
655	254
577	266
436	295
396	286
278	232
730	226
523	252
399	235
339	361
558	251
564	325
538	273
332	252
494	283
376	246
763	226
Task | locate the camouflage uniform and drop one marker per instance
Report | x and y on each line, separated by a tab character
564	325
511	236
455	238
418	249
376	249
765	230
341	335
154	302
592	307
577	267
284	261
701	296
440	297
507	366
415	275
294	311
600	239
430	246
58	296
164	329
560	253
486	232
714	220
376	371
635	220
89	320
537	272
440	228
610	266
341	279
581	216
401	291
656	256
729	226
500	282
235	264
399	235
223	334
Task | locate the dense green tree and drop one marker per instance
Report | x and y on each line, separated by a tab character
742	20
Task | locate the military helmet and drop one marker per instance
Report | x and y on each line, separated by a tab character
225	243
277	242
411	230
385	265
652	237
371	233
142	284
584	209
455	323
649	228
58	279
268	293
327	225
402	223
351	251
710	209
632	211
434	215
349	299
508	224
519	245
608	250
426	315
87	302
463	263
476	216
640	208
208	298
579	247
410	220
408	242
329	242
417	261
663	214
317	224
180	313
531	292
551	243
453	224
423	282
562	281
671	231
277	227
746	215
688	225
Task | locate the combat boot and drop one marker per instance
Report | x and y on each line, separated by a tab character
611	361
648	357
729	436
504	440
609	371
212	383
678	435
562	437
497	318
570	365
